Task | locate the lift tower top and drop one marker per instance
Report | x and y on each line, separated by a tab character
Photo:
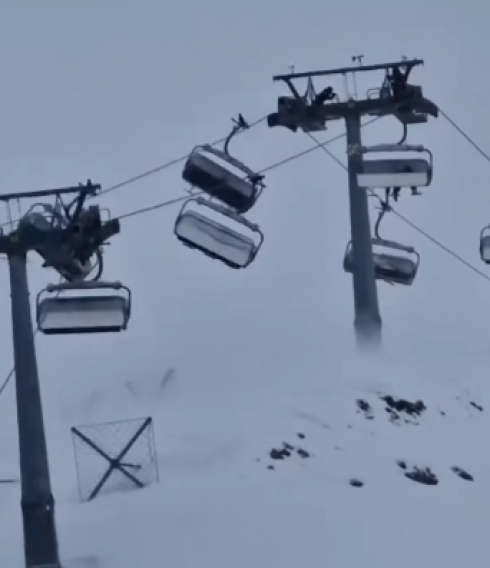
311	111
395	97
357	69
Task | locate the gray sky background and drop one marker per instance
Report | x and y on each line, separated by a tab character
109	89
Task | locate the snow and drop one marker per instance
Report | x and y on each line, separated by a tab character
218	504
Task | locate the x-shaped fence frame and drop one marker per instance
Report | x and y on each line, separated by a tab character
114	463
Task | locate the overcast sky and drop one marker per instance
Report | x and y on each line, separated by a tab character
106	90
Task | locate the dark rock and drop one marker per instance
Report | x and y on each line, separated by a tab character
477	406
356	483
301	436
278	454
422	475
303	453
270	467
402	464
401	405
462	473
363	405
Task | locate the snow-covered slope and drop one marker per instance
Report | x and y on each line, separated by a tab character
340	493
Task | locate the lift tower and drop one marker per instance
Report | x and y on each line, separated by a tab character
310	112
66	237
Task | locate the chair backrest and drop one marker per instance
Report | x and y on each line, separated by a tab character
394	172
215	239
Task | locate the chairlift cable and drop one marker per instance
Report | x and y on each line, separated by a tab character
276	165
9	376
467	137
480	150
11	373
156	170
273	166
413	225
173	162
180	199
442	246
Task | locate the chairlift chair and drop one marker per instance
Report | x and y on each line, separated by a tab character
389	266
216	240
395	172
203	170
81	313
485	244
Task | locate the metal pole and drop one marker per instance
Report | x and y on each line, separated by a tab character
37	502
367	320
